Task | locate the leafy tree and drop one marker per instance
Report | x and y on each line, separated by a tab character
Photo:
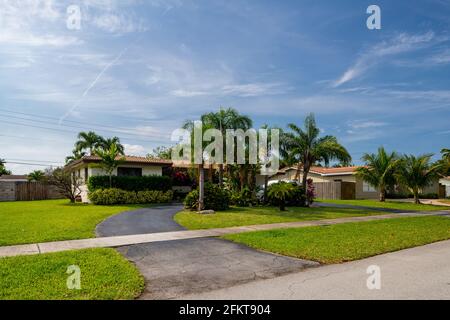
223	120
37	175
416	173
3	170
308	148
379	170
110	160
279	192
446	154
161	153
88	141
69	184
76	155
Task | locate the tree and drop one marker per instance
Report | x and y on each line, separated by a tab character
308	149
106	143
416	173
76	155
161	153
3	170
279	192
88	141
223	120
445	162
379	170
110	160
37	175
446	154
67	183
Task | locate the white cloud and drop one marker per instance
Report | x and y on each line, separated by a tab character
401	43
135	150
361	124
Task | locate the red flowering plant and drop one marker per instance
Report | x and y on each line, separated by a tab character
310	192
181	178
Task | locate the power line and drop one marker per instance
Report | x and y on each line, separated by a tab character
29	160
29	164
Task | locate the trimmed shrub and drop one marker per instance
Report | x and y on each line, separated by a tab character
216	198
117	196
243	198
161	183
296	198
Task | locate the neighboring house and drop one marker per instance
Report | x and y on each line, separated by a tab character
362	190
445	182
88	166
13	178
343	175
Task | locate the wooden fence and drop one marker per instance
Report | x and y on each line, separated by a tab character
27	191
337	190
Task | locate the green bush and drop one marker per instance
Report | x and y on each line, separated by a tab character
243	198
295	198
117	196
216	198
143	183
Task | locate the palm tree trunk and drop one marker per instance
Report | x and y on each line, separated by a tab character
297	174
110	180
382	194
416	197
266	186
201	187
220	175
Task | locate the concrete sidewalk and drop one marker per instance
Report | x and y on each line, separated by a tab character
416	273
118	241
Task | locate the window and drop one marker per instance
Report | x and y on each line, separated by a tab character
368	188
129	172
86	174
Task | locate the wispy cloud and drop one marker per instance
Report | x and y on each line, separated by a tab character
401	43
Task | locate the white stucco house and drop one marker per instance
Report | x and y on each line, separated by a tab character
132	166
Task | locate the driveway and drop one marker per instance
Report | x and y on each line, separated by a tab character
417	273
176	268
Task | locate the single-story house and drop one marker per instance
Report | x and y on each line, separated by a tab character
445	182
362	190
88	166
13	178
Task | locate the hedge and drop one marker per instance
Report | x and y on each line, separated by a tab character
216	198
161	183
117	196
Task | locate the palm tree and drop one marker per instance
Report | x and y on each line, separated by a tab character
36	175
108	142
308	149
3	170
446	154
88	140
416	173
110	160
76	155
223	120
379	170
279	192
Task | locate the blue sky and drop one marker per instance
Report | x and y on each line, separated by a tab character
138	69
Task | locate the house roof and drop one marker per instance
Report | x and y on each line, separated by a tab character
127	159
326	171
13	177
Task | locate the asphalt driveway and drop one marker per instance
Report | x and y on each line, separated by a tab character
177	268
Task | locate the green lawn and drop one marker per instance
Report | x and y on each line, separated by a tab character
350	241
263	215
105	274
51	220
388	205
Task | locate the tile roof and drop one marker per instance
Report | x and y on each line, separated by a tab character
325	171
127	159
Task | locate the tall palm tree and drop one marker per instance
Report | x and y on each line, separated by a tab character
223	120
76	155
88	141
416	173
379	170
106	143
308	148
110	159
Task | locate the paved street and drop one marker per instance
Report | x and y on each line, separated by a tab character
417	273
